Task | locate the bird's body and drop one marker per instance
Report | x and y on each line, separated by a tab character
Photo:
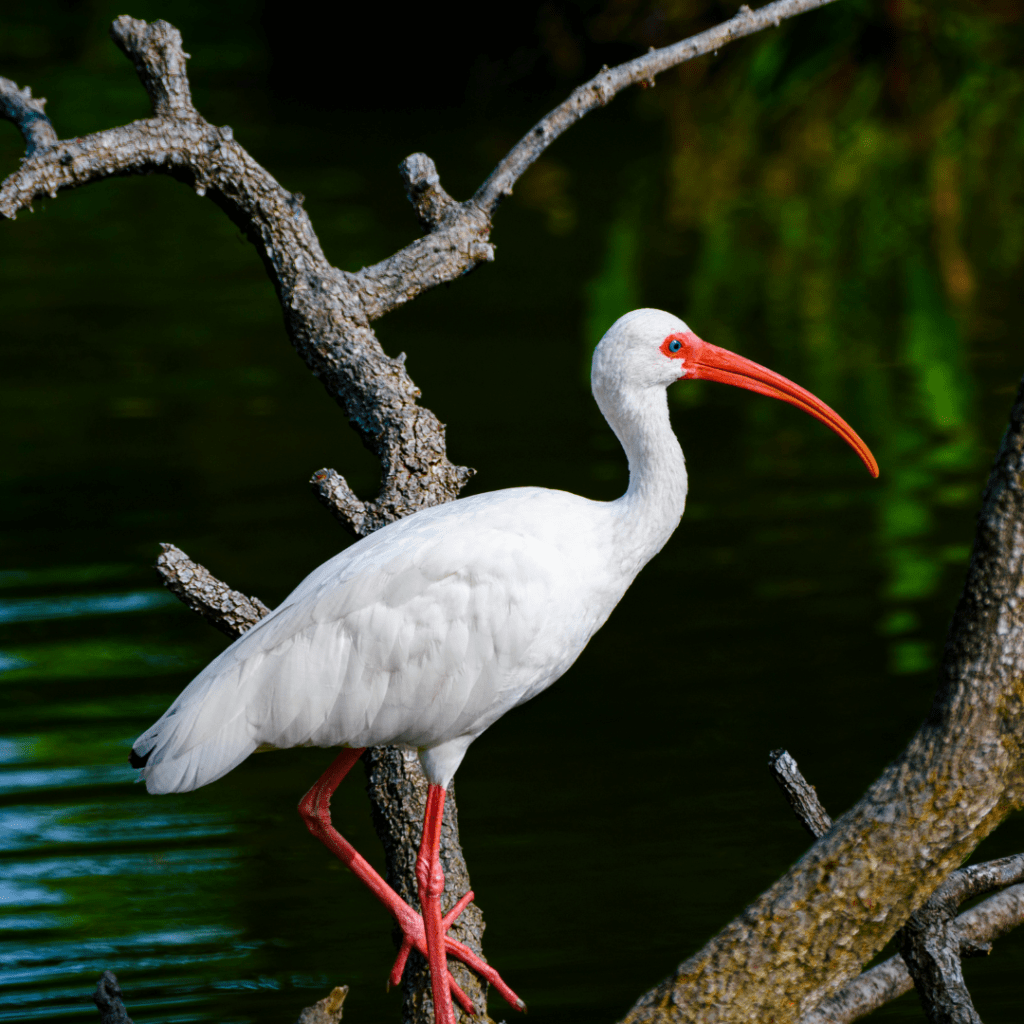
429	630
426	632
422	634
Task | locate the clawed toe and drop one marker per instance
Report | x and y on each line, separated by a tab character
415	937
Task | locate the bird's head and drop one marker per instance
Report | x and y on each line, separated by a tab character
649	348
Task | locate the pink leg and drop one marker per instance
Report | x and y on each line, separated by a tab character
431	881
315	808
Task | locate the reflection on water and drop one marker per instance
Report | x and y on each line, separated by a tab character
846	212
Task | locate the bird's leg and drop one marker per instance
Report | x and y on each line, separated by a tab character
431	882
315	808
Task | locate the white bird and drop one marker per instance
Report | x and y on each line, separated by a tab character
426	632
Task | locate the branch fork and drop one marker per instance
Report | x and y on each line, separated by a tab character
933	941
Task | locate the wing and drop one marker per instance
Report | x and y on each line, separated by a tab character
428	630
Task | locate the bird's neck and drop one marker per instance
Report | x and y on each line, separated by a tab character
650	510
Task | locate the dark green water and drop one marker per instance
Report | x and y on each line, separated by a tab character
840	199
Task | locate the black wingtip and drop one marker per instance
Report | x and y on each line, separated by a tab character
138	760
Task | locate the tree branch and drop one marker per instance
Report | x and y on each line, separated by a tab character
327	311
609	82
958	779
933	941
932	944
980	926
225	609
18	107
802	796
107	998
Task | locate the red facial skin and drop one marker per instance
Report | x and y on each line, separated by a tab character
702	361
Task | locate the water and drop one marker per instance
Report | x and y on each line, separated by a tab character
837	200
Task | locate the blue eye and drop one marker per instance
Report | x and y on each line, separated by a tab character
675	345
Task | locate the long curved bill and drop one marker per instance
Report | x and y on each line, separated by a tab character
709	362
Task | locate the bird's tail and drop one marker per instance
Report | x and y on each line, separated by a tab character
199	738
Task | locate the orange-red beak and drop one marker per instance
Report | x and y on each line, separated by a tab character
702	361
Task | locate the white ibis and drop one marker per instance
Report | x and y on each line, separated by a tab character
428	631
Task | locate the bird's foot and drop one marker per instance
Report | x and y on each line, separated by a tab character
414	936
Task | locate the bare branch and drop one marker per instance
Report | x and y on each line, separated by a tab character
328	1010
458	238
605	85
424	191
932	944
980	926
19	107
961	775
107	998
159	60
327	311
802	796
398	798
977	879
227	610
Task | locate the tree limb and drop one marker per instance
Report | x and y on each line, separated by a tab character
225	609
932	942
608	82
18	107
980	926
800	793
107	998
327	311
961	775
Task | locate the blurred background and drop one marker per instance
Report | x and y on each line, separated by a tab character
839	199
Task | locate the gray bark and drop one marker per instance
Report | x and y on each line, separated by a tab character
800	794
107	998
398	797
196	587
932	944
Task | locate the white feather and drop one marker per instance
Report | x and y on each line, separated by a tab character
426	632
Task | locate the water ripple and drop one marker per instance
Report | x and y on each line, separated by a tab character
36	609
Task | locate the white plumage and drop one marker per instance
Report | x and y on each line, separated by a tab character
429	630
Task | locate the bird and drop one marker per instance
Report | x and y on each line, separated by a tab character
427	631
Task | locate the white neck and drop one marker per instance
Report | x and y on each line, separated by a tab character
650	510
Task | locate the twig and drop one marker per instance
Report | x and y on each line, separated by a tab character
19	107
979	926
605	85
226	609
802	796
107	998
932	945
328	1010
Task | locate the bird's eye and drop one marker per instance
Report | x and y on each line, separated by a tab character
675	345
